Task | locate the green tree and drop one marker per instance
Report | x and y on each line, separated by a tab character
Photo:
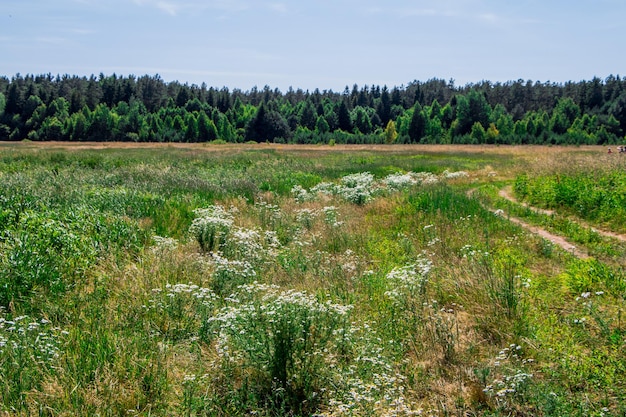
447	116
362	120
435	110
225	129
563	115
59	108
390	132
308	115
207	131
30	105
471	109
14	98
51	129
477	133
384	106
321	126
101	125
417	126
191	134
267	125
343	117
492	134
618	110
434	130
37	117
78	127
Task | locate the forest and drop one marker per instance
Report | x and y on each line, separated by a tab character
148	109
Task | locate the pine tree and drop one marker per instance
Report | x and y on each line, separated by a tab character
417	126
343	117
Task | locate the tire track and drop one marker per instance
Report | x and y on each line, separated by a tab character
555	239
506	194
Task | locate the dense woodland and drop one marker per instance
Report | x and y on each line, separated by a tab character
148	109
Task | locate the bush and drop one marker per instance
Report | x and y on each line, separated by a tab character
210	227
274	347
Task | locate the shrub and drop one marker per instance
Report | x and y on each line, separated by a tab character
273	344
210	227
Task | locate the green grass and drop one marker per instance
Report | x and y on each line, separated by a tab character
160	281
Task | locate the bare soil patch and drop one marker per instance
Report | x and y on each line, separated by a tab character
526	151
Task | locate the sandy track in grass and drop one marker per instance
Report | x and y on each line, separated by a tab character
555	239
506	193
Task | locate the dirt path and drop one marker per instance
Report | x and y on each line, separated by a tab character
555	239
506	193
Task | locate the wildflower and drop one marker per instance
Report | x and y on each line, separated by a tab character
300	194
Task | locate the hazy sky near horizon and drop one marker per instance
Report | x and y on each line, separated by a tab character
316	43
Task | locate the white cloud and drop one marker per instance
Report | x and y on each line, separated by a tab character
51	40
81	31
489	17
278	7
168	7
175	7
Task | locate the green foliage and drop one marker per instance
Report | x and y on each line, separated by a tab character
390	132
598	197
590	275
267	126
147	109
43	254
272	346
211	227
132	297
417	126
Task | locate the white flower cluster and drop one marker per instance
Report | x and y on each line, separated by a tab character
362	187
356	188
211	226
268	213
327	188
164	244
399	181
305	217
300	194
452	175
469	252
511	379
195	291
330	216
259	315
37	338
508	384
244	244
408	280
232	269
370	385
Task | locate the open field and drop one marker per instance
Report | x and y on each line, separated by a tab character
283	280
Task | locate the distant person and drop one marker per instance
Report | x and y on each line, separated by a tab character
610	151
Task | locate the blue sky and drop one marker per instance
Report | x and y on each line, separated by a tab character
325	44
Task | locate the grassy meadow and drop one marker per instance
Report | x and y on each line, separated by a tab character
277	280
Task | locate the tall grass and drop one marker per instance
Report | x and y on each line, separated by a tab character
296	282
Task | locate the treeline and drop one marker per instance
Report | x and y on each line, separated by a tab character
147	109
